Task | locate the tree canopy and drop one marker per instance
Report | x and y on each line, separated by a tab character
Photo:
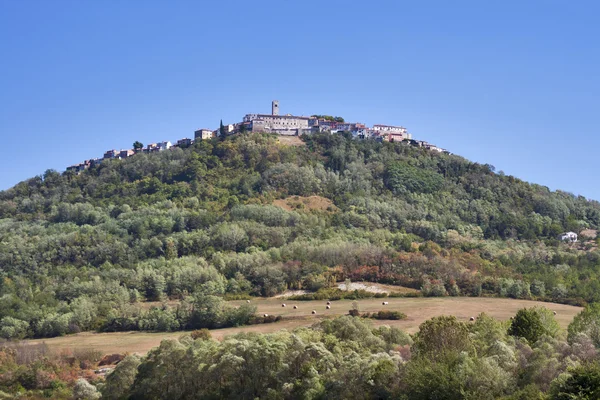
245	215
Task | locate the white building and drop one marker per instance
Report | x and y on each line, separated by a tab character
383	129
389	129
570	237
204	134
163	146
349	126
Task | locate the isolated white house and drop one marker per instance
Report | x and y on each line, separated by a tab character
568	237
163	146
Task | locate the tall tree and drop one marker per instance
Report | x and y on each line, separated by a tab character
222	129
137	146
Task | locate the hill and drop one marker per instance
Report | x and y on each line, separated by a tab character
80	252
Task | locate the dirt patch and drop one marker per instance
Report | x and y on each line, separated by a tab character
362	286
376	287
301	203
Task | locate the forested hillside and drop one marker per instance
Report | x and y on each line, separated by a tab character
82	252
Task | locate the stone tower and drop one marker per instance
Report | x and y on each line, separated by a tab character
275	107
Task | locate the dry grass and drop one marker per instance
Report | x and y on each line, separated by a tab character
589	234
417	310
290	140
300	203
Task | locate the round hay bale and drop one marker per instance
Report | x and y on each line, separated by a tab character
554	312
328	307
295	307
283	305
314	311
247	301
265	315
472	319
328	303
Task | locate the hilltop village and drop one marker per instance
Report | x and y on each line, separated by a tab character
286	125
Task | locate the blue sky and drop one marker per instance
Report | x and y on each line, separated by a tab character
511	83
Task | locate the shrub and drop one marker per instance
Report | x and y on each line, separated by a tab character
237	296
202	334
13	328
259	319
85	391
391	315
86	357
406	294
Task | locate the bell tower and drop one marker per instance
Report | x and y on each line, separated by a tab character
275	107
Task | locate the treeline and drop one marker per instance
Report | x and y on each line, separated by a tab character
527	357
78	252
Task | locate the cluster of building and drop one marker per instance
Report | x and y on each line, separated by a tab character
298	125
288	124
121	154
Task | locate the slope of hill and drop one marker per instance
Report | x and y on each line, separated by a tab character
79	252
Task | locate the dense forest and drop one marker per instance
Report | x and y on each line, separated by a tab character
246	216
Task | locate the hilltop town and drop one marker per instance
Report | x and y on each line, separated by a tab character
285	125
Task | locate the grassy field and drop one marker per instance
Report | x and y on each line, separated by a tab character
417	310
290	140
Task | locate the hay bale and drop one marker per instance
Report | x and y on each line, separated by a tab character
328	307
472	319
314	311
265	315
283	305
295	307
328	303
247	301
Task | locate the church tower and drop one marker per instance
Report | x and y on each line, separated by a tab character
275	107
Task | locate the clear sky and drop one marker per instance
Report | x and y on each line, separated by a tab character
510	83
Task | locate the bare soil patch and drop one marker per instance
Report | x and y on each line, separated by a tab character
376	287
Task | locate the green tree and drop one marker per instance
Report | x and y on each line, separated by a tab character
441	337
533	323
426	379
119	382
137	146
583	383
587	322
222	132
404	178
13	328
